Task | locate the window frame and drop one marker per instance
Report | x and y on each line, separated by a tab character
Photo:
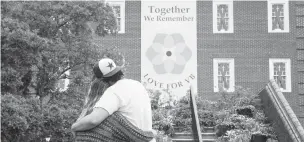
286	15
122	4
230	61
230	13
287	71
66	82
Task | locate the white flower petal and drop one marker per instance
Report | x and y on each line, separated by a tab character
180	47
187	53
157	47
158	59
169	65
180	60
150	54
159	69
159	38
169	42
178	38
178	69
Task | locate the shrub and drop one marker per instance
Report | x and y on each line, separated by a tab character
206	118
221	129
20	118
240	97
162	117
30	119
246	110
240	117
238	135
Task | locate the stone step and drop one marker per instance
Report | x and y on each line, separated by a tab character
192	140
182	140
208	135
209	129
209	140
188	137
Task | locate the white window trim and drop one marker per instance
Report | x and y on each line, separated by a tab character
216	61
230	12
120	3
66	82
288	73
286	15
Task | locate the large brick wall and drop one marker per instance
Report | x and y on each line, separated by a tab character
250	45
300	57
129	42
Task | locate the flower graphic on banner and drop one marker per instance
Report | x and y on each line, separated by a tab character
169	53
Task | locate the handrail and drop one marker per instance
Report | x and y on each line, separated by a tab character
290	120
196	130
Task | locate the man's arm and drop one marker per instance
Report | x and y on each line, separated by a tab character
90	121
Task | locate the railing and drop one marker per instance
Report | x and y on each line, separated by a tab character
196	130
279	111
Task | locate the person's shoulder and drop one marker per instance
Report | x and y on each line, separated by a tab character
130	82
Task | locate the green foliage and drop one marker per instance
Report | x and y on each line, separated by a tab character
40	41
236	116
16	117
178	117
18	51
240	116
44	39
29	119
161	115
206	118
182	116
246	110
154	97
240	97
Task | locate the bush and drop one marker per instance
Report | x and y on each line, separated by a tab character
236	116
20	117
221	129
30	119
240	117
246	110
206	118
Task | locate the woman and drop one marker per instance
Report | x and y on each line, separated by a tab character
115	127
97	88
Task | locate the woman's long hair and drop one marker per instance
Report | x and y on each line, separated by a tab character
98	86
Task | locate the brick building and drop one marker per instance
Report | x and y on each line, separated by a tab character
239	43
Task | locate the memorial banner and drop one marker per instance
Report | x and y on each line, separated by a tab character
169	45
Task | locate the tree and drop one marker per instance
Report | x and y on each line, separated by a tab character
46	38
40	41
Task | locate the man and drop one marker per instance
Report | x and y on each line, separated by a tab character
126	96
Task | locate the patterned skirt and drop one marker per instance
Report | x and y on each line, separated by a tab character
115	128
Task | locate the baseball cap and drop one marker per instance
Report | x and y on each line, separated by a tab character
106	67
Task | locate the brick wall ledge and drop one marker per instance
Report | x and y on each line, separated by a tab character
285	112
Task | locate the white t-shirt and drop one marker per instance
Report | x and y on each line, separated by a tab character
131	99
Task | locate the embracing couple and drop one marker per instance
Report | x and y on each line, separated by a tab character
115	109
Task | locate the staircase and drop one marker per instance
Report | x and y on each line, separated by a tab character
207	136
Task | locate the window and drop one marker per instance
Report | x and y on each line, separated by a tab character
223	74
278	16
62	84
279	70
223	16
119	11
